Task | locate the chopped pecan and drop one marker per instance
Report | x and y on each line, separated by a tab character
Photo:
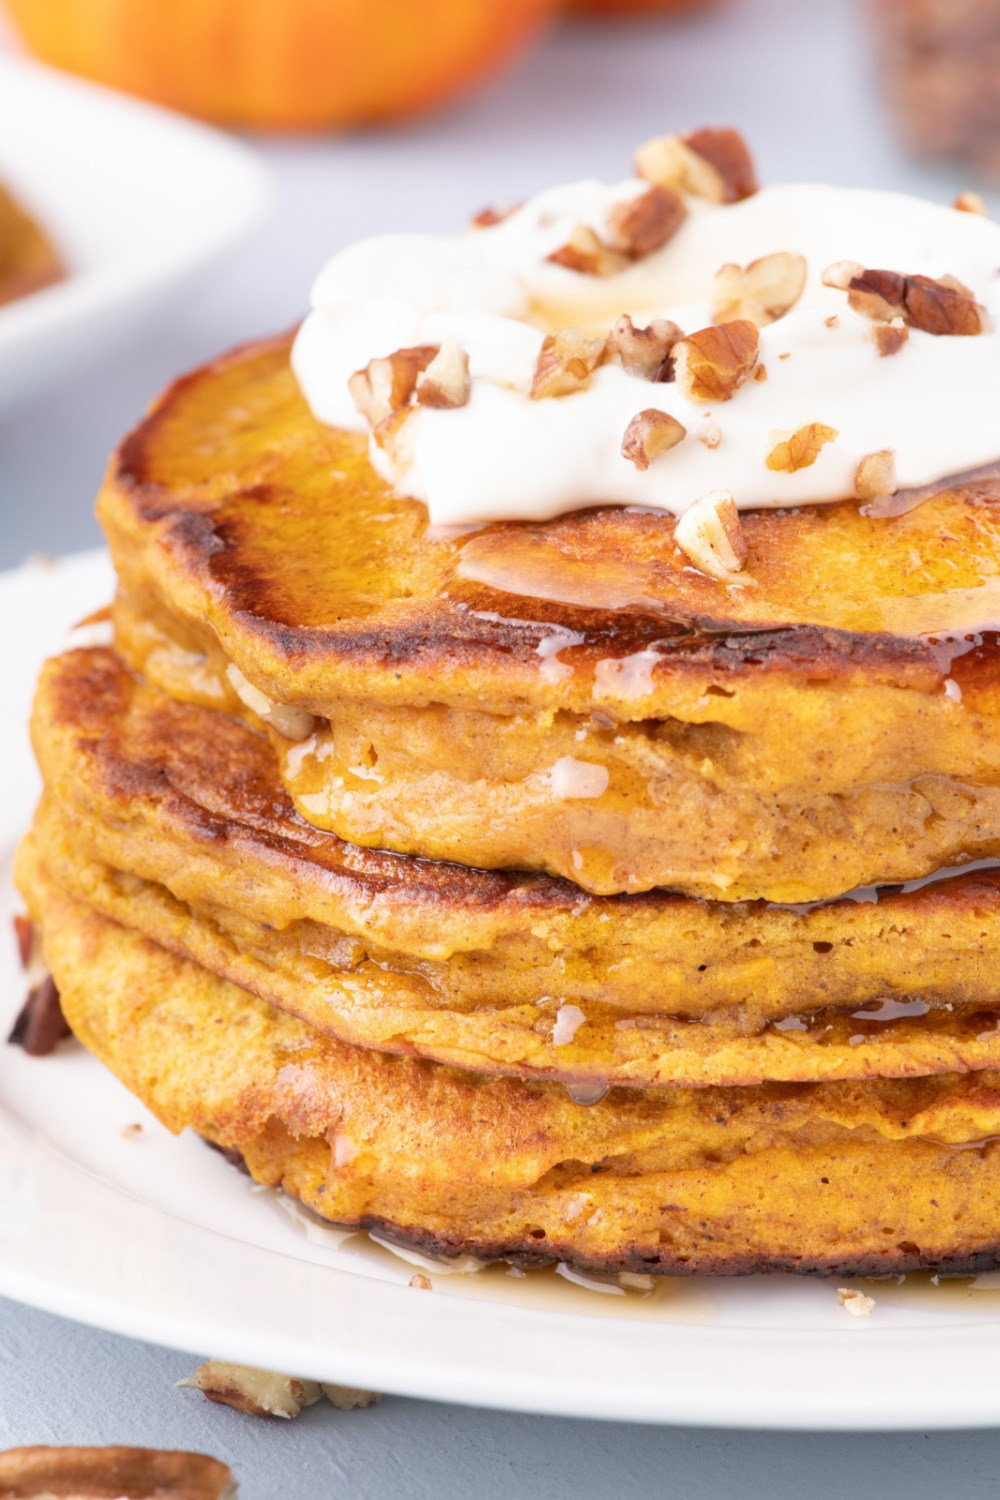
348	1398
488	218
763	291
713	164
650	433
971	203
386	384
875	475
421	1282
445	381
40	1025
890	337
644	224
942	307
709	532
390	434
566	362
123	1473
801	449
713	363
709	432
635	228
643	351
841	274
587	253
855	1302
258	1393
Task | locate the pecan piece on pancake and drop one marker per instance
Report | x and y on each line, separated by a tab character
650	433
40	1025
634	229
713	363
801	448
711	535
445	381
566	362
386	384
489	218
643	224
643	351
113	1474
712	164
763	291
875	476
587	253
942	306
890	337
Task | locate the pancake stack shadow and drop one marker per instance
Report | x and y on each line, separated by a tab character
654	938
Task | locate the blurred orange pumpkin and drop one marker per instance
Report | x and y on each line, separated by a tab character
634	7
290	64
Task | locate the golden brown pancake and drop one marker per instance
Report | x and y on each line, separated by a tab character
568	696
858	1178
171	819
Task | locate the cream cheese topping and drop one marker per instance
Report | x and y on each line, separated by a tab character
495	294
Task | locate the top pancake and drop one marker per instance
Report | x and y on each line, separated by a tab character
239	511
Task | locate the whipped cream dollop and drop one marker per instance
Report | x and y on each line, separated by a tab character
494	293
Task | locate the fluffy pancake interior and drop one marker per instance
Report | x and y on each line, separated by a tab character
171	819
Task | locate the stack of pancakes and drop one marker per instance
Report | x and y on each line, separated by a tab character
524	892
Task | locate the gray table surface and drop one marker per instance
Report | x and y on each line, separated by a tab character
797	76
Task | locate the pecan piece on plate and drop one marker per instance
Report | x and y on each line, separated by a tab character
40	1025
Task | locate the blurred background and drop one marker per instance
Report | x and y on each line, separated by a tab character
379	115
392	115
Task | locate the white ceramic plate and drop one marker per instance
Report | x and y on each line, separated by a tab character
138	201
159	1238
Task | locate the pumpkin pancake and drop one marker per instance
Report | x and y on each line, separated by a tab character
881	1175
566	696
171	819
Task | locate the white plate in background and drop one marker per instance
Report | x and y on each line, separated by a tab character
160	1238
136	199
